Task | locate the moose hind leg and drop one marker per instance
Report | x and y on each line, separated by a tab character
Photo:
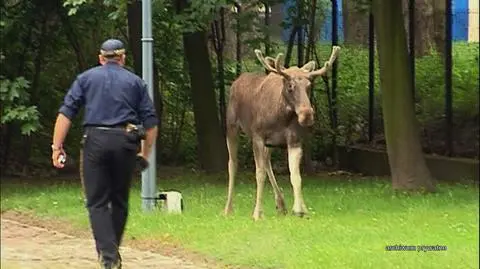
232	146
279	201
294	159
260	174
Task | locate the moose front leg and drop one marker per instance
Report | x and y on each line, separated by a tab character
279	200
260	155
294	159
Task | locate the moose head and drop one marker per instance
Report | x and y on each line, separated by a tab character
297	83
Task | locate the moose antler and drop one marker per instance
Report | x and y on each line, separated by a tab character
266	62
328	65
279	66
308	67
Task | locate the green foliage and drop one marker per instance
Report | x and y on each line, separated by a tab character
70	43
14	98
430	96
353	93
119	5
198	15
431	83
74	5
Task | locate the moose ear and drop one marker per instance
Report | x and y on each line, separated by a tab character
309	67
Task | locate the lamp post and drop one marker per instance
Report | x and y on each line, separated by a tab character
149	174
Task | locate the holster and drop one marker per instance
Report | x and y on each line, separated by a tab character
135	133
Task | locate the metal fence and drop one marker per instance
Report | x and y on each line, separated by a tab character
459	26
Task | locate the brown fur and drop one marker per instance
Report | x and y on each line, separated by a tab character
258	107
273	110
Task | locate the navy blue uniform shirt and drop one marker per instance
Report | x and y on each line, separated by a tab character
112	95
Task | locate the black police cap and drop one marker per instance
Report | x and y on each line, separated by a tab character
112	47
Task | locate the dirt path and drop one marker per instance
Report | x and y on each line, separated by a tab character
30	247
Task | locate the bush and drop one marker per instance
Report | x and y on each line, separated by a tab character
352	104
352	99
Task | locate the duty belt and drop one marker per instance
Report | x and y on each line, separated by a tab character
128	127
119	128
137	131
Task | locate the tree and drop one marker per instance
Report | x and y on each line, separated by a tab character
439	24
134	21
218	40
355	22
407	164
14	98
212	150
429	25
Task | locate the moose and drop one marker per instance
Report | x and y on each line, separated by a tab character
273	110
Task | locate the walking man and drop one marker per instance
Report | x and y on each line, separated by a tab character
117	105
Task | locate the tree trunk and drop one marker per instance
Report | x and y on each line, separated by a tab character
238	42
177	134
425	28
34	93
439	25
212	151
355	23
308	166
311	32
27	45
291	42
72	38
267	26
407	163
218	40
300	34
6	143
134	15
158	100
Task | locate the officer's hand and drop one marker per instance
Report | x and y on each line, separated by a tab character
141	163
58	158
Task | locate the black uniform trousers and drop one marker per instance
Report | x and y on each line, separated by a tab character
108	167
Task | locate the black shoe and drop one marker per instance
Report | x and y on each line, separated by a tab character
116	265
110	265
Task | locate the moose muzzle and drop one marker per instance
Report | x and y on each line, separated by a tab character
305	115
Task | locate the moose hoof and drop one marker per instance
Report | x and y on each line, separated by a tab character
257	216
299	214
227	211
280	206
281	211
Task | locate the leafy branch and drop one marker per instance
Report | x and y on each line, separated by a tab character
14	97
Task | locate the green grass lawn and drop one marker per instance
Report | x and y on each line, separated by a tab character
351	222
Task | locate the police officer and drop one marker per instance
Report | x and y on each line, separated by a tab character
117	105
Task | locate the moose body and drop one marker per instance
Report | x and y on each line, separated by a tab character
261	111
273	110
